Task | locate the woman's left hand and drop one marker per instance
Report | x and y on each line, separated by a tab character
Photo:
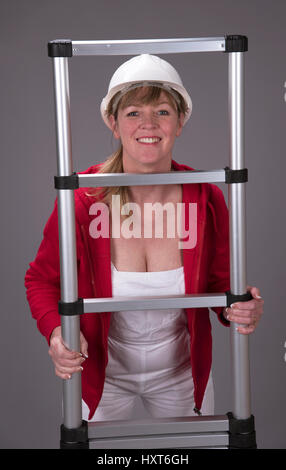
246	313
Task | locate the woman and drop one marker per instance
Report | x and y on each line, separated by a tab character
163	355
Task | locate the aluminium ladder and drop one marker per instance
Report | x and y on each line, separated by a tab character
233	430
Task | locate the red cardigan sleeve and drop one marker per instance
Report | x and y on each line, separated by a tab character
42	279
219	274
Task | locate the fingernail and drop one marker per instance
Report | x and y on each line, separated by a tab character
69	377
233	306
258	296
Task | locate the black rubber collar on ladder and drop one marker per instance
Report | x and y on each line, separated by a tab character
71	308
236	176
241	433
60	48
232	298
75	438
236	43
67	182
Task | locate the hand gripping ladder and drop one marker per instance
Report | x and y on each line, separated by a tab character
235	429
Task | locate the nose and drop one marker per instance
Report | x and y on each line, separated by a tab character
149	121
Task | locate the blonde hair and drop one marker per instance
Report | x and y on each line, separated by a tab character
114	163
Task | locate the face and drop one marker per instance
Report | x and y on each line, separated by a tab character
147	131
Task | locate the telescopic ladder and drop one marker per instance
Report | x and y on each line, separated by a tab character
235	429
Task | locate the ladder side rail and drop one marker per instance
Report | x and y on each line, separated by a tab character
237	216
72	412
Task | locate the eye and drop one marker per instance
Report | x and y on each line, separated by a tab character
132	113
163	112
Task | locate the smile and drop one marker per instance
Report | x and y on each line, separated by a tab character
148	140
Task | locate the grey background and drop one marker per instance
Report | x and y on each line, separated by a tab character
30	405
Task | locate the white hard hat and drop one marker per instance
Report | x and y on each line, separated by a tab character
143	70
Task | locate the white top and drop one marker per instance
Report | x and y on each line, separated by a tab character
154	340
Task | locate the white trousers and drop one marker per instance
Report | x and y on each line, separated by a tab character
162	397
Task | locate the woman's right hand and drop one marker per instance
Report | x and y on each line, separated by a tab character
66	362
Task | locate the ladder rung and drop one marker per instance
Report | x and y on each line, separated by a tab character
184	432
139	179
191	441
150	426
110	304
148	46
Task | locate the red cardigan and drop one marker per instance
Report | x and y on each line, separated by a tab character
206	270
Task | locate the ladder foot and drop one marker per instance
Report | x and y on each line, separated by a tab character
241	433
74	438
